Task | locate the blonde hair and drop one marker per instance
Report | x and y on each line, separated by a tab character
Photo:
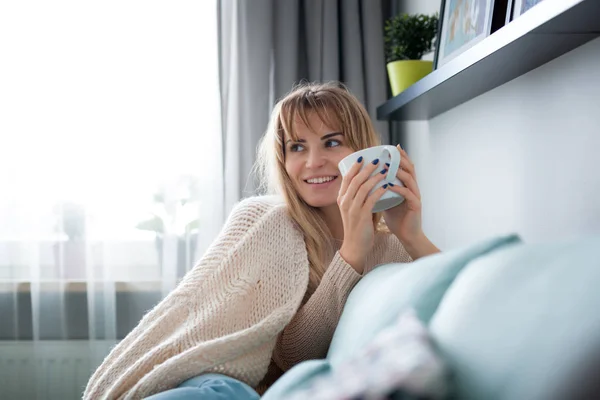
335	106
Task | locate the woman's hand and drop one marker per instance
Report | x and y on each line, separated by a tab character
404	220
355	207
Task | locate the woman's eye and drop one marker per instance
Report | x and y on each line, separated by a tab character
333	143
296	147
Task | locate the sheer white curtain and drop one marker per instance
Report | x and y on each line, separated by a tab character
110	160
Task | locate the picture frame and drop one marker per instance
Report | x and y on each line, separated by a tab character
474	15
509	11
521	6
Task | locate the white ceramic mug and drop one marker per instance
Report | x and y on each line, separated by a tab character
385	154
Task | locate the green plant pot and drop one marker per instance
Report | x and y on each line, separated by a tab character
406	72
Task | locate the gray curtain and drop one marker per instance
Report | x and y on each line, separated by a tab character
266	46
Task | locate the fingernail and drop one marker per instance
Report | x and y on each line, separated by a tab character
376	161
391	184
388	164
383	171
385	186
359	159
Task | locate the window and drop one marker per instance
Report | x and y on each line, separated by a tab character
109	138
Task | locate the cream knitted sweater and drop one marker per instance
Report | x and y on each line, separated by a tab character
239	311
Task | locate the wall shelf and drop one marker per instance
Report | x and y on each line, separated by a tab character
548	30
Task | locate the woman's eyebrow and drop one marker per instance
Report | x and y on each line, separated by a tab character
296	141
330	135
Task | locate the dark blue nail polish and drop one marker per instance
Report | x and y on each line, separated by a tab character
387	163
376	161
385	186
383	171
391	184
359	159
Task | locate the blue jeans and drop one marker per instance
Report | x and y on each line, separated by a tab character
209	387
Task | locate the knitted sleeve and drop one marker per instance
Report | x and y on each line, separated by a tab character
225	315
309	333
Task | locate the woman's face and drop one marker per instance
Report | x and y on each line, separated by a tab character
312	161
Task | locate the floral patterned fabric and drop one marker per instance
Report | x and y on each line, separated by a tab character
399	360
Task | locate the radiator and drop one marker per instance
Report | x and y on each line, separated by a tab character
48	370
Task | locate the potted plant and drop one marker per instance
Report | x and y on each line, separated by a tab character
175	213
407	38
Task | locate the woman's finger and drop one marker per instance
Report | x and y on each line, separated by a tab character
350	175
365	188
407	166
412	201
409	182
374	197
404	155
360	178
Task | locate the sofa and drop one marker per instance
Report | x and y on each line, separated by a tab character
511	320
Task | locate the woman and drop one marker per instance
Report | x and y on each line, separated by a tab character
269	292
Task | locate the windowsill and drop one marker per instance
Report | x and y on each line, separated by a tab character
76	286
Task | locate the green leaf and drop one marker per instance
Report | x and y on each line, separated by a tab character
154	224
192	226
159	198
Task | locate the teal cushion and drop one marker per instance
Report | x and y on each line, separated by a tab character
518	323
390	289
296	378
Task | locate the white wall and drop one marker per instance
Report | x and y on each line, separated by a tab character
522	158
419	6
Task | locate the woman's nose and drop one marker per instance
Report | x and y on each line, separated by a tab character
315	159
